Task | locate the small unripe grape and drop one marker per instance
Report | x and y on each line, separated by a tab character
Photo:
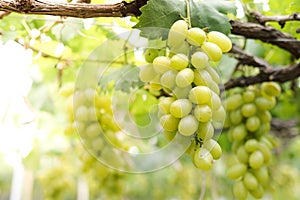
240	191
239	132
248	96
167	79
248	110
264	116
184	77
203	113
147	73
256	159
250	181
251	145
263	148
236	117
180	108
271	88
220	39
213	73
169	135
188	125
150	54
195	36
202	77
179	61
177	33
212	50
203	159
182	93
262	175
200	95
161	64
215	103
264	103
258	192
169	122
242	154
219	115
82	113
199	60
236	171
234	101
252	123
214	148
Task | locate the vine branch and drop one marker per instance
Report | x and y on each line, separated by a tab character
280	19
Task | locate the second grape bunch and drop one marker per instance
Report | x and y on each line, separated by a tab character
182	70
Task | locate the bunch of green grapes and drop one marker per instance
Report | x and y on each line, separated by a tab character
184	73
249	121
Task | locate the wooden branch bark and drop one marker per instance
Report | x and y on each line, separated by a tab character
267	34
280	19
80	10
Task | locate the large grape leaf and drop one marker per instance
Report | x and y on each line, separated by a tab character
163	13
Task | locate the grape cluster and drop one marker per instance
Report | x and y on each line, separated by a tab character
183	72
249	121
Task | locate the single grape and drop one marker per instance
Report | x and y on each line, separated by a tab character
264	116
248	96
147	73
169	135
179	61
203	159
180	108
188	125
256	159
200	95
250	181
233	102
167	79
240	191
214	148
205	131
177	33
220	39
164	104
251	145
199	60
215	76
219	115
252	123
184	77
182	93
235	117
203	113
262	175
257	193
150	54
264	103
239	132
236	171
169	123
248	109
212	50
82	114
242	154
271	89
215	103
183	48
195	36
161	64
263	148
202	77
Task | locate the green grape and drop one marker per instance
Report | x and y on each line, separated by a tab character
256	159
203	113
233	102
264	116
184	77
179	61
271	89
248	109
264	103
183	48
248	96
220	39
212	50
235	117
167	79
200	95
239	132
250	181
161	64
215	76
252	123
214	87
195	36
264	149
263	129
205	131
242	154
236	171
240	191
82	114
188	125
251	145
202	159
169	135
180	108
219	115
164	104
214	148
202	77
199	60
258	192
215	103
92	130
150	54
169	122
182	93
177	33
262	175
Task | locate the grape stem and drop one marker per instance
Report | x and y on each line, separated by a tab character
188	13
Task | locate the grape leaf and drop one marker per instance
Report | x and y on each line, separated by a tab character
163	13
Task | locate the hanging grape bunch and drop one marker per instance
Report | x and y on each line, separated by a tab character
192	103
249	121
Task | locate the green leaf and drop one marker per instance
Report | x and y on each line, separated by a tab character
163	13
